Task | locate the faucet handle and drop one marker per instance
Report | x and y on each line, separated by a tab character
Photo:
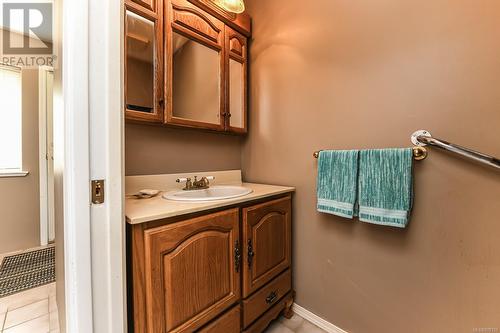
210	178
183	180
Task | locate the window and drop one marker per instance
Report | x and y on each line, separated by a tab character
10	120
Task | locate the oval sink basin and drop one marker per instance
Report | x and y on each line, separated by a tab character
211	194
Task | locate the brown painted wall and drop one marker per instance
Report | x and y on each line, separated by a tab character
19	197
158	150
358	74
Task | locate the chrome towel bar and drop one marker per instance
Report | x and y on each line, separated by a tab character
423	138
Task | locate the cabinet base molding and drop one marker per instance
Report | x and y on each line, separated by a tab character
316	320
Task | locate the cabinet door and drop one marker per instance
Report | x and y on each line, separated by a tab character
267	240
236	78
191	273
144	97
148	5
195	67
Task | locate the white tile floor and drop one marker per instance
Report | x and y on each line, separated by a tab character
30	311
35	311
295	325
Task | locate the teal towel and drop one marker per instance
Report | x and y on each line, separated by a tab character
386	186
337	182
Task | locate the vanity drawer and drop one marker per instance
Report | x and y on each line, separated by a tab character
263	322
227	323
265	298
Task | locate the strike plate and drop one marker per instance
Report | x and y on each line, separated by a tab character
98	192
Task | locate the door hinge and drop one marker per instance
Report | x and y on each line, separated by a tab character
98	191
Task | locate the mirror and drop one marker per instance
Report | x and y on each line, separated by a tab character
236	97
196	81
140	57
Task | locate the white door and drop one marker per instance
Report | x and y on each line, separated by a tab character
46	146
50	157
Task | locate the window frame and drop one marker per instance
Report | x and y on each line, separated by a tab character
15	172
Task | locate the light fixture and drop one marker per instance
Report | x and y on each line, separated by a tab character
233	6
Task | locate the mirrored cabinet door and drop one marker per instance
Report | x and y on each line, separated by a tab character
196	81
195	48
236	45
143	68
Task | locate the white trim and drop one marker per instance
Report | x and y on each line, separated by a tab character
9	174
316	320
107	162
46	236
77	240
42	156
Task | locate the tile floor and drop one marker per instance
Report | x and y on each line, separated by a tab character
35	311
295	325
30	311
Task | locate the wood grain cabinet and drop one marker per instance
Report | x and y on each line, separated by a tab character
186	273
266	233
193	71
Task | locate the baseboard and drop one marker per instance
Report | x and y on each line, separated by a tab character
316	320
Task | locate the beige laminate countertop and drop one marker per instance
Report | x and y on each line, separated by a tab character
145	210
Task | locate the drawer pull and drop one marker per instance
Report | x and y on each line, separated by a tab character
250	253
237	256
271	298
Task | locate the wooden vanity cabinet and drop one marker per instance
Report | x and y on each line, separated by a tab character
186	272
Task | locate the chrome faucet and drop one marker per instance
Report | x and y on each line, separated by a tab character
201	184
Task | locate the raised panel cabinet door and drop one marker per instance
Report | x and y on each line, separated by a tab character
195	67
267	241
192	273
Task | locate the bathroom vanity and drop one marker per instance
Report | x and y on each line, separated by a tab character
209	266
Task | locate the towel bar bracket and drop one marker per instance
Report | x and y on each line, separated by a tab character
423	138
417	134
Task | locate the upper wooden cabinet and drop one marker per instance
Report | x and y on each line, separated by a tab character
144	97
149	5
201	53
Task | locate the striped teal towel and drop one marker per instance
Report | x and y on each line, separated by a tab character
386	186
337	182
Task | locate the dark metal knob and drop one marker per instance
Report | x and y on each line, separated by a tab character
271	298
237	256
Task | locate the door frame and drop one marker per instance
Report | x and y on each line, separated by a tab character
46	235
94	235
